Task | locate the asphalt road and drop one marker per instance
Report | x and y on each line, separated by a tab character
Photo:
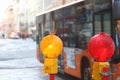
18	61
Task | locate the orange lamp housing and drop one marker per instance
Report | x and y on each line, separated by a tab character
51	46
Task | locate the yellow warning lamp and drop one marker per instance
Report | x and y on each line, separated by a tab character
51	47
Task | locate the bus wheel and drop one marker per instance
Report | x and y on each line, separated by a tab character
85	70
86	74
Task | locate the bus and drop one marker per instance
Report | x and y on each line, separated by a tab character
75	23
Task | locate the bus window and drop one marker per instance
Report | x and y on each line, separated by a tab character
48	22
102	22
77	33
73	27
69	34
106	23
97	23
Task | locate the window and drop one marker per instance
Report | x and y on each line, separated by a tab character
48	23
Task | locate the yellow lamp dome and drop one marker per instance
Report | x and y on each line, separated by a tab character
51	46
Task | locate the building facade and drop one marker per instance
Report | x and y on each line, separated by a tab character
21	14
9	23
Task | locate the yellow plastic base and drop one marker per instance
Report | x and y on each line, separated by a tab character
51	66
97	69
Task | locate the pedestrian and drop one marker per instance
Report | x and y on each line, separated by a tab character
24	36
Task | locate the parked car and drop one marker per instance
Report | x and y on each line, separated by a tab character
13	35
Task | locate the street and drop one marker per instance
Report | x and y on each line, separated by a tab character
18	61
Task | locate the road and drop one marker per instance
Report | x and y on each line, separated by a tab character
18	61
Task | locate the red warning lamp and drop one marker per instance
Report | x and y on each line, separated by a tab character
101	47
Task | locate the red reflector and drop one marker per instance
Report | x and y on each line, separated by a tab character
106	71
105	78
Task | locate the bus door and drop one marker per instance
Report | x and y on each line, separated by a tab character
102	22
39	36
116	57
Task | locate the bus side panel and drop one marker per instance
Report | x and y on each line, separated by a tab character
71	71
38	54
78	57
116	71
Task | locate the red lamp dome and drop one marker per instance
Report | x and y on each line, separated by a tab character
101	47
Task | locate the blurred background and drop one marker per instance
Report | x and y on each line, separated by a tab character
17	17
